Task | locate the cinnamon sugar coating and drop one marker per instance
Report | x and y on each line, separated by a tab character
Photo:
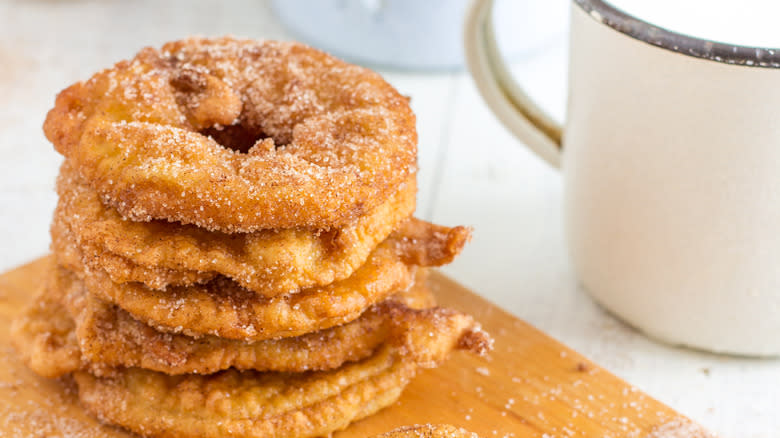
268	262
84	332
252	404
222	308
237	135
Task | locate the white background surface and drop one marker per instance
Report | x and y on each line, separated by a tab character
472	172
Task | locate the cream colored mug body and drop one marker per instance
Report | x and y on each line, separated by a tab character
670	155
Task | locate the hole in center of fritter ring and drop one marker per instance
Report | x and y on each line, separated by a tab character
238	138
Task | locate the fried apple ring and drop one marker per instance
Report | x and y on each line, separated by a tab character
252	404
237	135
107	337
223	308
268	262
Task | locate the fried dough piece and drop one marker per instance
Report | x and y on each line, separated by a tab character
83	256
224	309
132	343
429	431
268	262
252	404
108	337
237	135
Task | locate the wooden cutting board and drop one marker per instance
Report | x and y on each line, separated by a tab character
530	386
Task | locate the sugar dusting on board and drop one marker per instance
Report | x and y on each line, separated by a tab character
680	428
32	406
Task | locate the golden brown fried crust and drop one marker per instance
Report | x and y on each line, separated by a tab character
429	431
83	256
105	337
268	262
440	244
251	404
109	337
328	141
222	308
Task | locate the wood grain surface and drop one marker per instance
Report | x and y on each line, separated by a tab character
530	386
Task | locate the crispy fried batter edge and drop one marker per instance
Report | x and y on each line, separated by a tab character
268	262
248	404
224	309
108	337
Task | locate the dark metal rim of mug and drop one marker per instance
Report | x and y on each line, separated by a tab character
622	22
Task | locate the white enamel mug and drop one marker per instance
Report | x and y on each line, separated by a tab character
670	155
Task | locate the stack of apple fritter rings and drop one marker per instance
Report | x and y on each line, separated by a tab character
234	247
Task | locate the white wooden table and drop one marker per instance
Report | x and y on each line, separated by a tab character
472	172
